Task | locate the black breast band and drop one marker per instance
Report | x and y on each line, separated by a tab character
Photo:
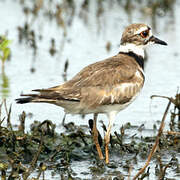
138	59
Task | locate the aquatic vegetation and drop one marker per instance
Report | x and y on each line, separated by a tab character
66	65
44	149
64	12
4	85
4	51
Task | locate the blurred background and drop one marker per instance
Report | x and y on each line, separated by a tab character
50	41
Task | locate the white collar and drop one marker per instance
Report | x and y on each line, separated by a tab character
139	50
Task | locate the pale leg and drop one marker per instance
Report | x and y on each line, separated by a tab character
111	116
95	137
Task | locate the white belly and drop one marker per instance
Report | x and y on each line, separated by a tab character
76	108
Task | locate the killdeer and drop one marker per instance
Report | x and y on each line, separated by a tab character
106	86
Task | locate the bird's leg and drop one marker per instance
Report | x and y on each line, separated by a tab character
111	116
95	137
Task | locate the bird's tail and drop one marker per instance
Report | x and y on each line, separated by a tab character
24	100
34	98
29	98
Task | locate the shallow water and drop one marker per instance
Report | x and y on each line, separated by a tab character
85	43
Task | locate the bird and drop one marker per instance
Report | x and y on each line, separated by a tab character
107	86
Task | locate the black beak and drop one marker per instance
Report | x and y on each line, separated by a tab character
157	41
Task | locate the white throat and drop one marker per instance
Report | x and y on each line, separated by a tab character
139	50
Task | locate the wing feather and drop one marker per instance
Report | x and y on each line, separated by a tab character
105	82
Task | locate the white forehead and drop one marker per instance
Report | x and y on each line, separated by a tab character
144	28
150	33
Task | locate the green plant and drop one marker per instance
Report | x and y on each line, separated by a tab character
4	50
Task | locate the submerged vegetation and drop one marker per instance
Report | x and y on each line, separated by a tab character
42	148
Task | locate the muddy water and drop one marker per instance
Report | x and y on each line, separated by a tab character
85	43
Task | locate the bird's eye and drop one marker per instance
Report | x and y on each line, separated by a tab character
144	34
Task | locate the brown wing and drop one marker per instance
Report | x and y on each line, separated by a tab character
116	94
104	82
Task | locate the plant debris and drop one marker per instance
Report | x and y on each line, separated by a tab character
43	148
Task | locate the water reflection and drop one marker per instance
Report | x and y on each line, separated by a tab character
4	85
